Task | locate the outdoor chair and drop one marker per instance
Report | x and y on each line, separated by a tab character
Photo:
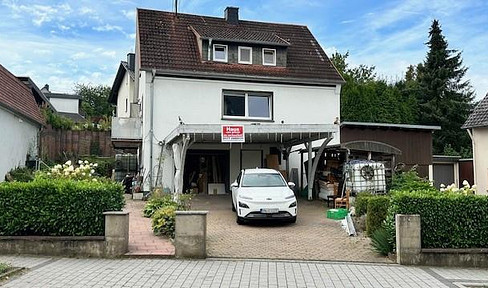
343	202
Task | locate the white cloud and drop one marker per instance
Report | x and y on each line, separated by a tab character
130	14
108	27
40	14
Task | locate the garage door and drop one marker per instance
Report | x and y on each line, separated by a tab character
443	174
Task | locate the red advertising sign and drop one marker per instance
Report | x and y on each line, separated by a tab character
233	134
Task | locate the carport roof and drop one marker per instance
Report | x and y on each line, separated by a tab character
286	134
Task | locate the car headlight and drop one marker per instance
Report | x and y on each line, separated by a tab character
243	205
294	204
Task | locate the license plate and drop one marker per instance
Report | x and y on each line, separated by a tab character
269	210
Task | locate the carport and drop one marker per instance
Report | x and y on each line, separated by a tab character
282	136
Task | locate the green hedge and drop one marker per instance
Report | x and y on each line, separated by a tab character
377	210
57	207
448	220
361	203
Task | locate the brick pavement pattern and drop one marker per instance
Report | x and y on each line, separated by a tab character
69	272
313	237
142	241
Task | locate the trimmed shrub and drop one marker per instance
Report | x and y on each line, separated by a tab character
57	207
411	181
361	203
163	221
20	174
376	215
159	202
448	220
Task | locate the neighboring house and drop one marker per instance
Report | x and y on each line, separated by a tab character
195	74
67	105
126	124
477	127
20	123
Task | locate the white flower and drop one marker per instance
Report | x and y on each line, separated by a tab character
68	162
94	180
466	183
474	186
83	174
92	171
96	164
66	173
48	173
80	162
86	162
443	186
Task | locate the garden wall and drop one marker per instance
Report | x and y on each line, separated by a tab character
55	142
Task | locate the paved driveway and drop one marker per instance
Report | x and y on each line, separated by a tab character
313	237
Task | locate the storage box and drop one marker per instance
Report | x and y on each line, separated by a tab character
337	214
216	188
272	161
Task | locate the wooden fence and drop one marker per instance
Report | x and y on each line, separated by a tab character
62	144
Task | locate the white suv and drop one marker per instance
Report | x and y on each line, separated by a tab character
263	194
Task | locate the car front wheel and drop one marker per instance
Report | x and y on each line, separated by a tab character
239	220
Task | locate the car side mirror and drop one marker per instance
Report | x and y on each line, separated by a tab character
291	185
234	185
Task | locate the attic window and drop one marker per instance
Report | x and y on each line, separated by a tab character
269	57
220	53
245	55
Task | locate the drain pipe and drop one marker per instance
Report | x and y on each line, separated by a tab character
151	130
470	133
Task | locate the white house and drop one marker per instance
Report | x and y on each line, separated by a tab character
20	123
67	105
197	76
477	127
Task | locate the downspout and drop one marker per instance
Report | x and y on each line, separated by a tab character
151	130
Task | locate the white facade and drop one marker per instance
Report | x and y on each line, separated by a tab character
198	101
125	97
480	158
19	138
65	105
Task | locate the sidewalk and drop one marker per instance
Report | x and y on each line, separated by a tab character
69	272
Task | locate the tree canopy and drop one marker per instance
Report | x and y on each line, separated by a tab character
94	100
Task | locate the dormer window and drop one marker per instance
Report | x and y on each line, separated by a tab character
220	53
269	57
245	55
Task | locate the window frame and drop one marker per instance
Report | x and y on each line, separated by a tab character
274	58
245	94
239	60
226	53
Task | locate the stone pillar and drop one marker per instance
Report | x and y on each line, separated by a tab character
408	240
191	234
116	233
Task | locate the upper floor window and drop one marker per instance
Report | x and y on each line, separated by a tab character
220	53
269	56
247	105
245	55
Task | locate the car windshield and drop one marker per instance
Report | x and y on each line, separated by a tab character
263	180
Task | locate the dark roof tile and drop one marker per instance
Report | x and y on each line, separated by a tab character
479	116
167	42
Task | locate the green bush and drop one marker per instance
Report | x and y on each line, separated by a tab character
163	221
159	202
380	241
57	121
411	181
377	210
105	165
361	203
20	174
4	267
448	220
57	207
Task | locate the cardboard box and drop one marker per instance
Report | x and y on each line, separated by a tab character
272	161
216	188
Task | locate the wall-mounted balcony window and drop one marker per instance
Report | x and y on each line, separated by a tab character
269	57
247	105
220	53
245	55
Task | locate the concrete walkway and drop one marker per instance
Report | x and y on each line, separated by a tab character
69	272
142	241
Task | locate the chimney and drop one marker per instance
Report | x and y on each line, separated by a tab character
231	15
131	61
45	89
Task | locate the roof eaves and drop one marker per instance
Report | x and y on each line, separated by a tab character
116	85
243	78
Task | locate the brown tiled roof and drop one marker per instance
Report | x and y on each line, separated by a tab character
479	116
167	42
234	33
17	97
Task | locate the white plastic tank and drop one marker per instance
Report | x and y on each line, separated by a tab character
365	175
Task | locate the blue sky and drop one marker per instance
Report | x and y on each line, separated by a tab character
68	42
